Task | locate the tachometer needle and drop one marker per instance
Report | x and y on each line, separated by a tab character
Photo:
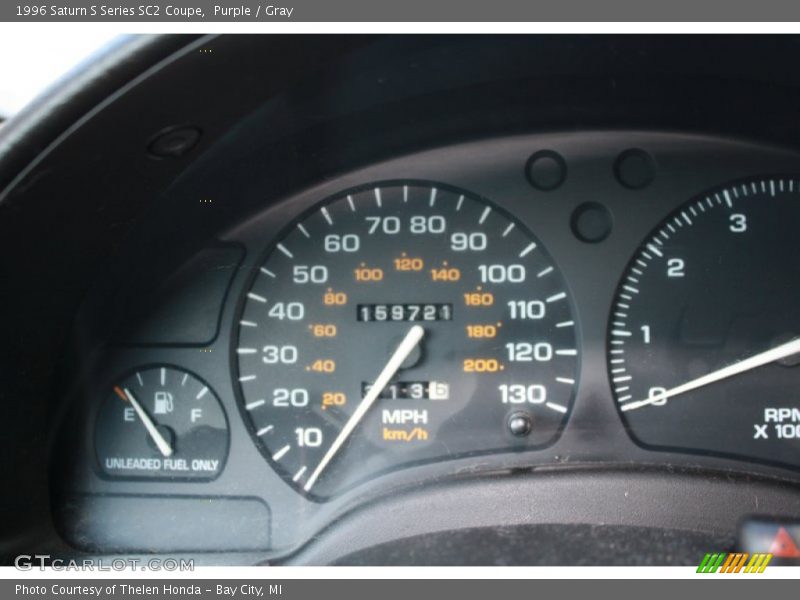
758	360
405	348
162	444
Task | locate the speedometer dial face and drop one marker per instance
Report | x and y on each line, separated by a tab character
402	323
703	350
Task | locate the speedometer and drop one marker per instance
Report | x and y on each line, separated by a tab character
401	323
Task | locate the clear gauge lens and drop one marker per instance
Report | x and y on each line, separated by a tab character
703	338
161	422
400	324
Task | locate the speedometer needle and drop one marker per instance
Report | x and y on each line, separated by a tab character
758	360
162	444
405	348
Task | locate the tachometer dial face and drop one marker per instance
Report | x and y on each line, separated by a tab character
161	422
402	323
703	350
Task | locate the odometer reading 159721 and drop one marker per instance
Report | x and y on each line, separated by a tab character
402	323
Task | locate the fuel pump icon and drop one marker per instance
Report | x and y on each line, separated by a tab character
163	403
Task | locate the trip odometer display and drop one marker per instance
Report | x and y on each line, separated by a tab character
402	323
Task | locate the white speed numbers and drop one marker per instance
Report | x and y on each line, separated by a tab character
397	324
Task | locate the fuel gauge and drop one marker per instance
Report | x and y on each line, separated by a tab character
161	422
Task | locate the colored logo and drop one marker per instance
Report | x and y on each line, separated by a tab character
734	562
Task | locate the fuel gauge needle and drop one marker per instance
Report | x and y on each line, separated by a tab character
405	348
162	444
757	360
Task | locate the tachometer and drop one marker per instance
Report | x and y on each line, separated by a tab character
705	331
402	323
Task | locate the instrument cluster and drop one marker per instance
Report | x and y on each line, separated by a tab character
504	305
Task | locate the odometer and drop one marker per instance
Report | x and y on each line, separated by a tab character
402	323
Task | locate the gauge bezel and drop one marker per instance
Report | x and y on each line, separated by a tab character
271	246
739	458
97	467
